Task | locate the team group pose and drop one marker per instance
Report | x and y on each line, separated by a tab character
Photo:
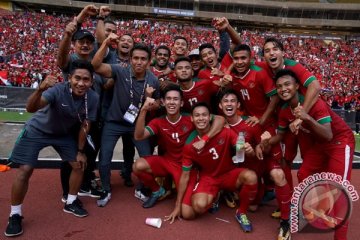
193	106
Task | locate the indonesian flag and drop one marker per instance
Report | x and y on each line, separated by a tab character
4	78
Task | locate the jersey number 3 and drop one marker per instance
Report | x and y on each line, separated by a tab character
214	153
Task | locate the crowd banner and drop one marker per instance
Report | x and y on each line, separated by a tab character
14	97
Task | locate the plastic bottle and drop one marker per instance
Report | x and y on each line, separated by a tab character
240	151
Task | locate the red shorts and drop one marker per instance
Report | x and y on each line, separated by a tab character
273	158
253	163
212	185
289	146
162	167
332	157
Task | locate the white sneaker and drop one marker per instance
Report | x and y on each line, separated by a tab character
138	194
105	197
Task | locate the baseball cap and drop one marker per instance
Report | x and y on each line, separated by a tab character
82	33
194	52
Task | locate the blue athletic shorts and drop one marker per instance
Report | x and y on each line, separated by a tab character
30	142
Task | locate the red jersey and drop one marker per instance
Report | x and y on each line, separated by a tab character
224	66
255	90
305	77
201	91
252	133
322	114
171	137
215	158
160	74
252	136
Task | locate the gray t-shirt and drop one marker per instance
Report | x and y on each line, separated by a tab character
64	111
121	98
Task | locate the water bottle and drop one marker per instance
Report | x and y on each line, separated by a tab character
240	151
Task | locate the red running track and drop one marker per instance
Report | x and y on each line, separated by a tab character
124	218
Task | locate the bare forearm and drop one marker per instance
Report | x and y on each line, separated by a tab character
270	109
216	126
322	131
84	130
235	37
99	56
275	139
184	180
34	102
64	49
100	31
139	133
311	96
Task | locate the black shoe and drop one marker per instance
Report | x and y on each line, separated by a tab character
154	197
128	182
14	227
77	200
215	205
76	209
90	192
284	231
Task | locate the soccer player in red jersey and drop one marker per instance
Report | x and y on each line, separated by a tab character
255	88
161	69
273	51
326	142
193	92
171	131
214	70
216	171
229	104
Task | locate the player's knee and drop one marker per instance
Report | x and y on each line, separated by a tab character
278	176
250	177
139	165
200	205
24	173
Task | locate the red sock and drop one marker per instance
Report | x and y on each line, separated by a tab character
246	195
283	195
288	176
148	180
260	193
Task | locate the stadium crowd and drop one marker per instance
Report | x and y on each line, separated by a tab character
29	43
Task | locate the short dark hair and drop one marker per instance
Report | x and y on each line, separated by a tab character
275	41
242	47
206	45
181	37
286	72
182	59
171	87
228	91
128	34
109	21
163	47
82	64
141	46
199	104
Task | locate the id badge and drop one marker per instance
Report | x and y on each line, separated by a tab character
131	114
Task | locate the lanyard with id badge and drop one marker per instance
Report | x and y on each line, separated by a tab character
88	137
133	111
